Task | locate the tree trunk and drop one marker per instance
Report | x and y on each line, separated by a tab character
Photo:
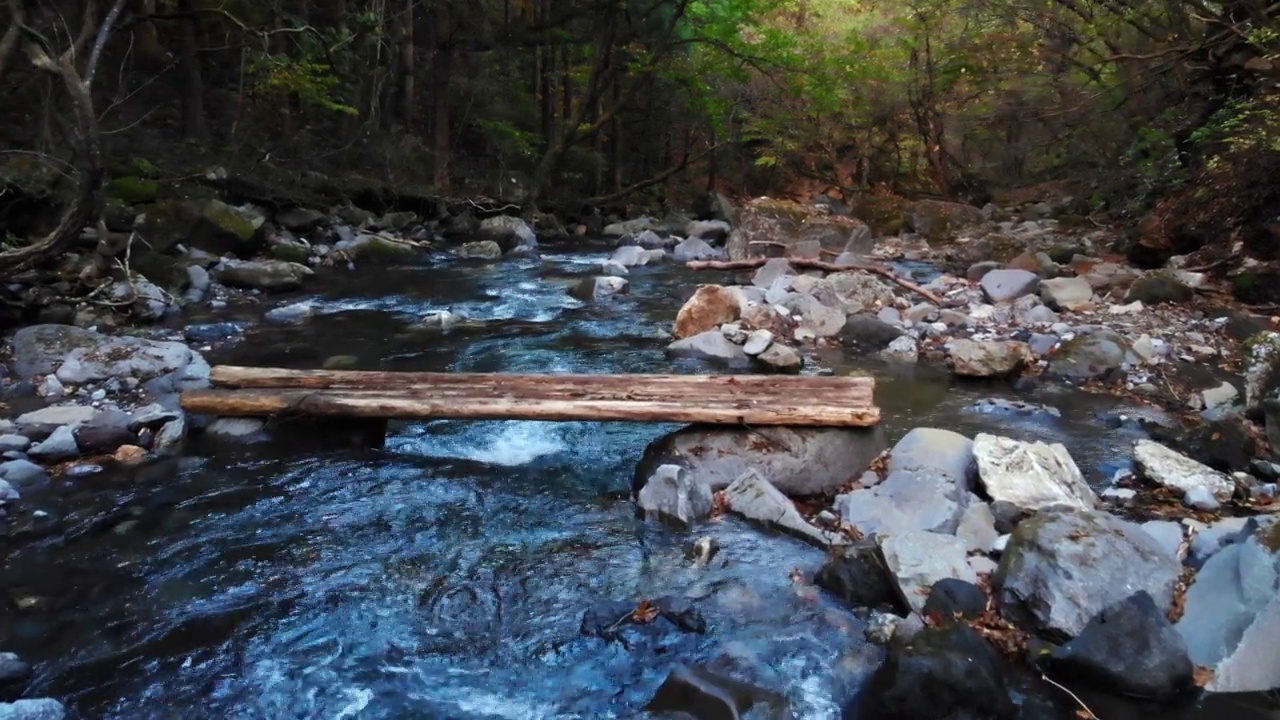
193	119
408	68
441	76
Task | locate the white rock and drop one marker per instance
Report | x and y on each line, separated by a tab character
1134	307
1170	469
672	494
757	342
1031	475
917	560
1221	395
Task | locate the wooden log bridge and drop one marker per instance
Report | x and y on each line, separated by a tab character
716	399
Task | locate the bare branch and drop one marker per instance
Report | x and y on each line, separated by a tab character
101	41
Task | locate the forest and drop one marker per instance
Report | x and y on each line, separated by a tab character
1141	105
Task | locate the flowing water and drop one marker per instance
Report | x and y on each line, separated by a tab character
446	575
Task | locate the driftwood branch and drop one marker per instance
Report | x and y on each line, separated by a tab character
805	263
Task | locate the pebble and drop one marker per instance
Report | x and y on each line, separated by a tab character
98	395
50	386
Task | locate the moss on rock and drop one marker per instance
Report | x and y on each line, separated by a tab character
133	190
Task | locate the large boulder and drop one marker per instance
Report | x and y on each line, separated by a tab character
672	495
859	577
702	694
947	673
271	275
926	487
78	356
708	308
867	333
917	560
207	224
1129	648
987	358
509	232
822	319
796	460
940	220
479	250
1030	475
1231	617
766	226
1063	567
630	256
693	248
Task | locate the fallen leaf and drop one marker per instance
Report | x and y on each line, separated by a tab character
1203	676
645	612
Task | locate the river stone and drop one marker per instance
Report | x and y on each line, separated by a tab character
1004	285
917	560
699	693
756	499
300	219
1231	617
370	248
38	350
54	416
940	219
867	333
1068	293
134	357
600	288
987	359
952	599
169	438
710	346
694	248
773	270
8	494
14	443
672	495
630	256
926	487
782	359
712	231
709	307
945	673
859	577
757	342
903	349
60	445
1030	475
1261	375
798	460
479	250
1159	287
206	224
1089	356
628	227
270	275
33	709
766	224
1062	567
811	313
509	232
1130	648
23	475
12	667
105	432
978	526
1167	468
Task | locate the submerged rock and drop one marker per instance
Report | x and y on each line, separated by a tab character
1030	476
797	460
1129	648
702	694
599	288
1063	567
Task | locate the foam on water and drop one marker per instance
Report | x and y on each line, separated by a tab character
508	444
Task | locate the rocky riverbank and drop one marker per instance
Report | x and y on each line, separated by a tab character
94	386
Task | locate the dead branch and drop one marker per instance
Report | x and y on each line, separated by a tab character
656	179
805	263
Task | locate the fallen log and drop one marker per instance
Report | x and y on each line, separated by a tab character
715	399
807	263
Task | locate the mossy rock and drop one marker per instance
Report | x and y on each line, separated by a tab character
1064	254
1158	288
166	271
133	190
886	214
291	251
207	224
341	362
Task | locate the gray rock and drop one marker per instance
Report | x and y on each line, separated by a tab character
890	316
1030	475
1131	649
799	460
105	432
1063	567
1231	617
652	240
919	559
171	436
757	342
270	275
1041	344
771	271
1200	499
14	443
954	318
630	256
987	359
101	358
599	288
710	346
12	667
1005	285
673	495
300	219
1089	356
38	350
7	493
23	475
903	349
1066	293
1168	534
1220	396
151	417
1170	469
479	250
509	232
978	527
629	227
54	416
33	709
866	333
756	499
781	358
694	248
609	267
51	387
60	445
921	312
712	231
1261	375
926	488
979	270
